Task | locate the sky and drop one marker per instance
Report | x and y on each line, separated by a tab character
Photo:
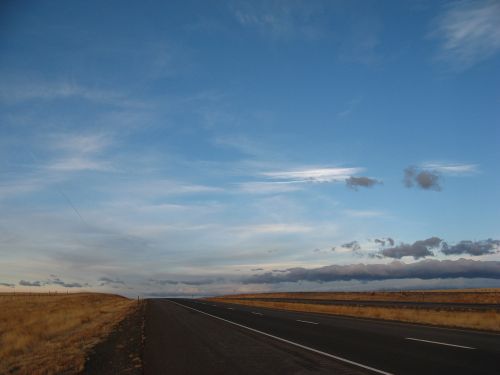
199	148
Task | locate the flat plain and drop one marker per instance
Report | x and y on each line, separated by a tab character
51	334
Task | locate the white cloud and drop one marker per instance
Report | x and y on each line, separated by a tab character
451	168
363	213
268	187
20	90
314	174
470	32
280	19
349	108
79	152
163	187
81	143
74	164
273	229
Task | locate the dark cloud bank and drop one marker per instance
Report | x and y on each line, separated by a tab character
109	281
424	248
424	179
189	282
52	281
419	249
355	182
383	241
425	269
485	247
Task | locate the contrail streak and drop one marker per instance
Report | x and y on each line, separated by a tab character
64	195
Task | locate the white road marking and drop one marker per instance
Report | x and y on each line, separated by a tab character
305	321
229	308
439	343
257	313
290	342
214	305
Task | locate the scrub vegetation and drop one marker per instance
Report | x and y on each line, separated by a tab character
476	296
51	334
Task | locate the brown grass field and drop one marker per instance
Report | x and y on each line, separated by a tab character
483	320
43	334
487	295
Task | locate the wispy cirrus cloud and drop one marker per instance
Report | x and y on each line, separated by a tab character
20	90
278	228
363	213
80	152
451	168
280	19
313	174
469	32
268	187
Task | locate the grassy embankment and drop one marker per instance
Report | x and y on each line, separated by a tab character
485	320
51	334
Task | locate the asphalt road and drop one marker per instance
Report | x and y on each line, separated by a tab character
221	332
178	340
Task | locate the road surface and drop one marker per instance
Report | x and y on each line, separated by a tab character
207	337
181	341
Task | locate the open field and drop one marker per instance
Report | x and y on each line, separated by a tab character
51	334
486	296
487	319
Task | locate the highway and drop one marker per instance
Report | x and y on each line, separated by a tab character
330	343
178	340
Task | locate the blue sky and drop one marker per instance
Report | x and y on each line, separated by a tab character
176	148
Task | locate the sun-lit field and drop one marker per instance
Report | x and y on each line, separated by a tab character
50	334
486	295
487	319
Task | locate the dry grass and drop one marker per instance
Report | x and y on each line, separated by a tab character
42	334
482	319
489	295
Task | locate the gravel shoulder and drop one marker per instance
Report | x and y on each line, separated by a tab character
121	352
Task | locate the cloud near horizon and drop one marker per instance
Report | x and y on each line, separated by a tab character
425	269
476	248
53	280
419	249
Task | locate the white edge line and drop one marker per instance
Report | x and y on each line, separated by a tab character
289	342
439	343
257	313
305	321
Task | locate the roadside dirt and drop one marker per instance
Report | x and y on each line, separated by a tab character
121	352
